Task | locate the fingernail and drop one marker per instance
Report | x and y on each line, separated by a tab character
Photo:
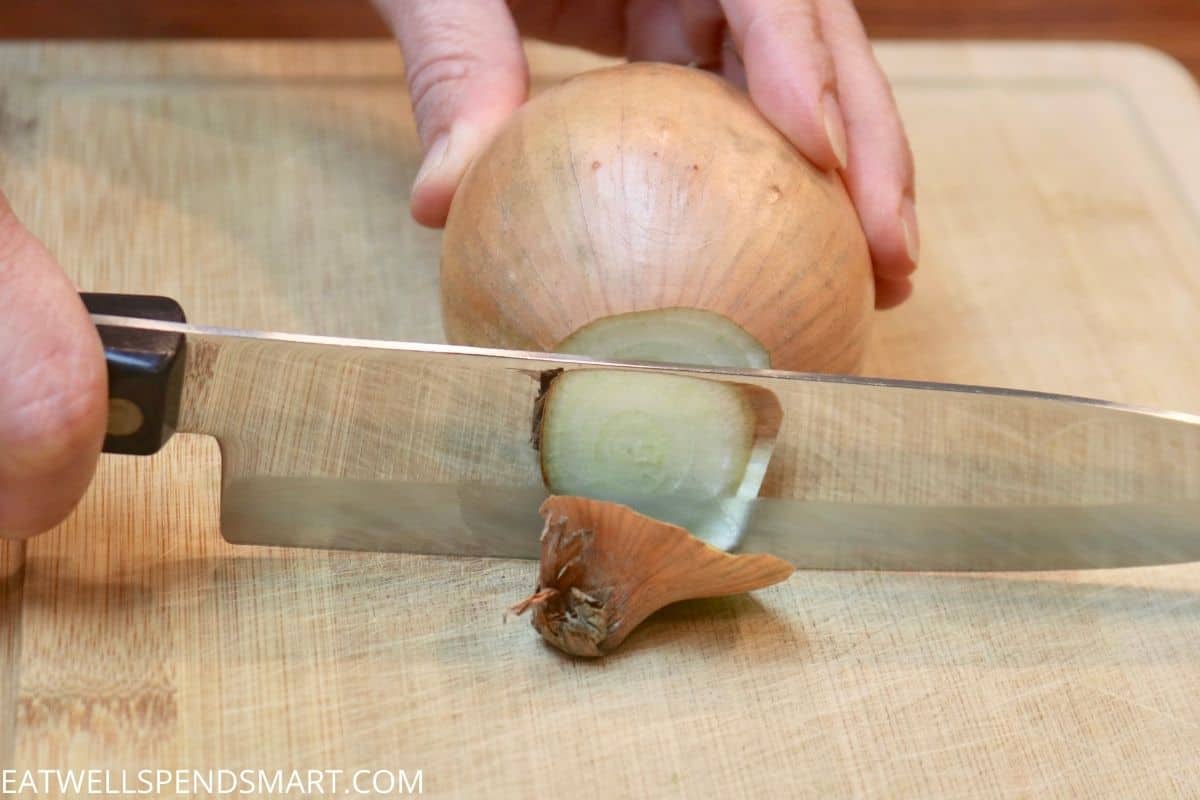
434	159
835	129
908	222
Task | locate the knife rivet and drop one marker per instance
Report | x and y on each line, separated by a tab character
124	417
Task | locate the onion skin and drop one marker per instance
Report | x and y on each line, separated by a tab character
604	568
650	186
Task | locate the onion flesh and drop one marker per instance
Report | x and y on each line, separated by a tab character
629	437
668	336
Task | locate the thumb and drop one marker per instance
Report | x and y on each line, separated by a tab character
53	387
466	74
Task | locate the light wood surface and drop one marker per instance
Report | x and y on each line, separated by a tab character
265	186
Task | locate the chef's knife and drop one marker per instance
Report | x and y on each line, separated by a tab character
425	448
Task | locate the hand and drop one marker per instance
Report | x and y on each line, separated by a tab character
807	64
53	390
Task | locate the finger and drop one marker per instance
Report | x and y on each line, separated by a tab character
891	293
704	29
654	32
466	74
790	74
53	387
879	173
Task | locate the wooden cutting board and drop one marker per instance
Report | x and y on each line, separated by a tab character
265	186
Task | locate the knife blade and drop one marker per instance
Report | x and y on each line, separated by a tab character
411	447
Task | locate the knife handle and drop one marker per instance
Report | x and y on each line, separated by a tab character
145	372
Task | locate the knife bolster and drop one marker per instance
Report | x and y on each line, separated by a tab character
145	372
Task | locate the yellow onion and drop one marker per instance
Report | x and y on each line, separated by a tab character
652	187
649	212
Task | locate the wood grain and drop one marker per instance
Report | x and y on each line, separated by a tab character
265	186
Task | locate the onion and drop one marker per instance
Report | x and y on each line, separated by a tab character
646	187
650	212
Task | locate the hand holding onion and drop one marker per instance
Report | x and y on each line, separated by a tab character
807	63
652	212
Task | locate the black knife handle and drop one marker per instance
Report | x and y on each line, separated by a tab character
145	372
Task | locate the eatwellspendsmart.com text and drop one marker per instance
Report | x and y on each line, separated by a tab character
211	782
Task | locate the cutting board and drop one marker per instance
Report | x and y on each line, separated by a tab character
264	186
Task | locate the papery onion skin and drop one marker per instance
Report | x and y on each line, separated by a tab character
651	186
604	568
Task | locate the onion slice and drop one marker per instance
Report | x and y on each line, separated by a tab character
668	336
648	440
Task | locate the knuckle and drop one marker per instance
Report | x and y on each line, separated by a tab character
797	19
436	72
796	26
444	73
796	22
